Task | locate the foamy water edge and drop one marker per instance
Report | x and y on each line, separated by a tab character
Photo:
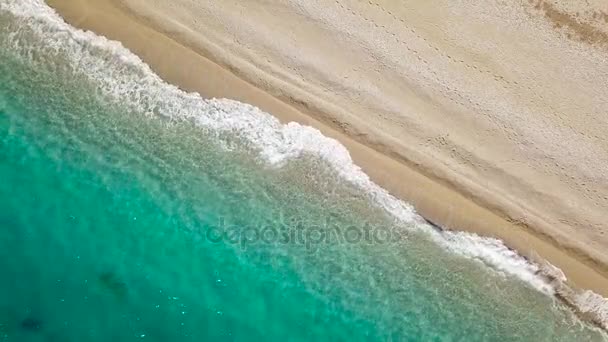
277	143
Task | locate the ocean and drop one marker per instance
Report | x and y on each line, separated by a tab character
133	211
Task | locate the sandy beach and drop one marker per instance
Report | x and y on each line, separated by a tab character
489	117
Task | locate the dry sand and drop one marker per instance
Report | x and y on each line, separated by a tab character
489	116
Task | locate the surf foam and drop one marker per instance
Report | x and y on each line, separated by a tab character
124	78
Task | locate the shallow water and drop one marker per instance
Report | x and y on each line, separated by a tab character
130	210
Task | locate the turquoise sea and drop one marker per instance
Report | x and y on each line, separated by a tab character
132	211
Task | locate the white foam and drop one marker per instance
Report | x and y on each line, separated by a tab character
496	255
589	302
123	77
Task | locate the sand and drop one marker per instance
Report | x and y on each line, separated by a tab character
490	117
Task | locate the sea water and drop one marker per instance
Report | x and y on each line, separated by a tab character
133	211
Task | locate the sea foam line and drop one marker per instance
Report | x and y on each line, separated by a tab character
125	78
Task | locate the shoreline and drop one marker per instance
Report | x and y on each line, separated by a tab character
437	201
